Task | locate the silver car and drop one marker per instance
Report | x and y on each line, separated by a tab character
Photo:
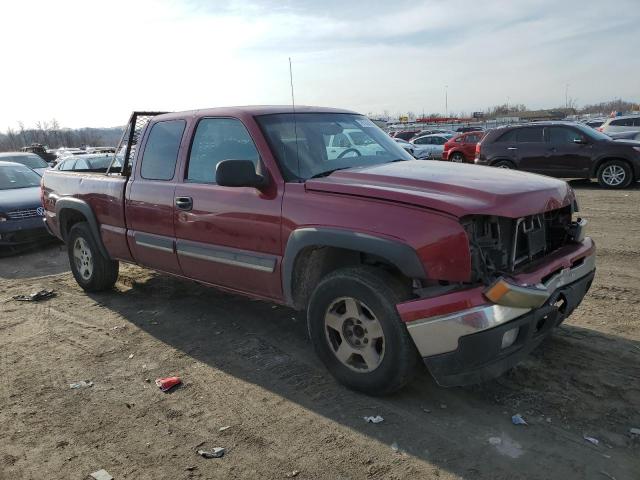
430	146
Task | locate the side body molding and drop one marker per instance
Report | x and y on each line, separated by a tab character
399	254
66	205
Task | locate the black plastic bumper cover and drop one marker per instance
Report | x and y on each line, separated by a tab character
480	356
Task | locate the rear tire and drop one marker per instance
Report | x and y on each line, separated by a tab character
356	330
457	157
505	164
92	270
615	174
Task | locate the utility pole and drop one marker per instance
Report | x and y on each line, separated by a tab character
566	96
446	101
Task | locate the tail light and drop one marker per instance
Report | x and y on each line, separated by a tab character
478	150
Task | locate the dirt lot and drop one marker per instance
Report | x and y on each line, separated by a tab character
248	365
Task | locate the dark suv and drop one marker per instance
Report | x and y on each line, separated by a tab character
562	149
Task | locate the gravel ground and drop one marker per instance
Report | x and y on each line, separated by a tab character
248	365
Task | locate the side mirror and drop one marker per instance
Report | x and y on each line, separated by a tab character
238	173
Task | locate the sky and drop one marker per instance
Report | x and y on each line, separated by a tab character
90	63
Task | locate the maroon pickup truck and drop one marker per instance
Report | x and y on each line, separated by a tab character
393	259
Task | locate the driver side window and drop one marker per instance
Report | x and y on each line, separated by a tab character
215	140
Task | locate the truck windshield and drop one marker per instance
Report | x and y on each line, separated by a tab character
317	144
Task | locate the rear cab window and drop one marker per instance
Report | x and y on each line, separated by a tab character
161	150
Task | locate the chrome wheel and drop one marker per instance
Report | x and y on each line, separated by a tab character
83	258
457	158
614	175
354	334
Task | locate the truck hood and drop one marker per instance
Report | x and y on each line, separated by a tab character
453	188
19	199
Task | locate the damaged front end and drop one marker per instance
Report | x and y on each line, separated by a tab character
528	275
501	246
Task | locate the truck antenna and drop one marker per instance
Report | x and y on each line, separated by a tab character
295	122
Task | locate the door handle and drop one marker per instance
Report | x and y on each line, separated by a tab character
512	148
184	203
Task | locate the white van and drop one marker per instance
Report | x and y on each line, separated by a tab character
627	123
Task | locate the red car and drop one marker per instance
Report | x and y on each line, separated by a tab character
392	258
462	148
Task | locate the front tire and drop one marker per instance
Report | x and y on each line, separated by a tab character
92	270
356	330
615	174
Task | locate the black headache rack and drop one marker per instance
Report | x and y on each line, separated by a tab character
126	150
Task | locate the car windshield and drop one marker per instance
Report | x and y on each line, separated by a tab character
12	177
31	161
590	132
316	144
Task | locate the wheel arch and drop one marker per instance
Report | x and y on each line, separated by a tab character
70	211
596	166
322	250
502	159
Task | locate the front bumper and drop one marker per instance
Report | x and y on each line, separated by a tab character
481	356
460	334
19	232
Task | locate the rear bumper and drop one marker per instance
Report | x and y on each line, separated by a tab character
456	333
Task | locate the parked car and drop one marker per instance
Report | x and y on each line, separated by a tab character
85	162
390	257
21	211
430	146
31	160
628	123
41	151
433	131
594	123
469	129
351	142
625	136
405	134
462	148
406	145
564	150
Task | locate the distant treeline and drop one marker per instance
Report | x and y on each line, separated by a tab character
52	135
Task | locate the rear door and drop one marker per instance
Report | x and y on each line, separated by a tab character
469	142
150	198
530	150
227	236
566	158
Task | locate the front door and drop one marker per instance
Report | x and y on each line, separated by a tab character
227	236
150	199
565	157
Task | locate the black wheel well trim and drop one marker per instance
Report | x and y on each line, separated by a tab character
399	254
79	206
501	159
634	170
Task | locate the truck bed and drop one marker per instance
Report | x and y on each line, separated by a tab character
104	194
